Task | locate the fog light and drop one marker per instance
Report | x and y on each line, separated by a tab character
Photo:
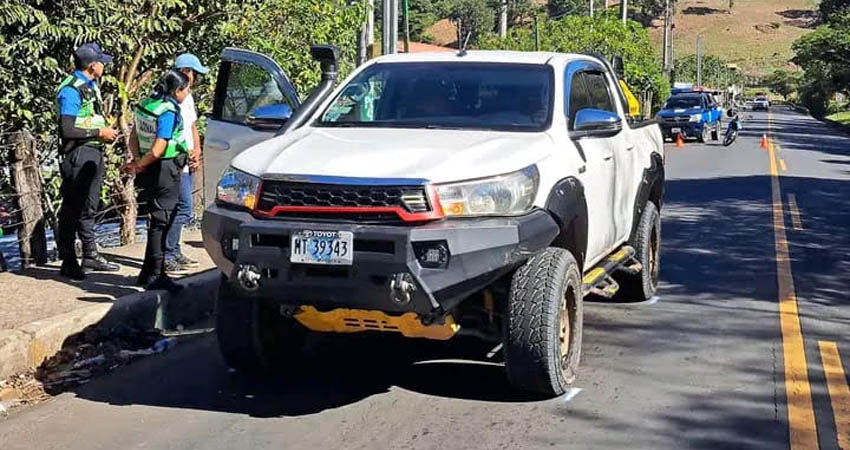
230	246
432	254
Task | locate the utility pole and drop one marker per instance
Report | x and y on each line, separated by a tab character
591	8
668	37
390	27
624	10
503	18
699	59
370	23
536	34
406	26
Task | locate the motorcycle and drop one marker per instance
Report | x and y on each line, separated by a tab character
732	129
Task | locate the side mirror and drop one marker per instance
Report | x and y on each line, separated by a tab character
268	117
596	122
618	66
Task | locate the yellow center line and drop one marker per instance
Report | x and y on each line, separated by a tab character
795	213
839	392
802	429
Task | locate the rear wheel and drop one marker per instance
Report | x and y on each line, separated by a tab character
544	323
252	335
647	245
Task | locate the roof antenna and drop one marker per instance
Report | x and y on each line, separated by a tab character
462	51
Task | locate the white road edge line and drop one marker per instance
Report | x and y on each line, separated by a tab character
571	394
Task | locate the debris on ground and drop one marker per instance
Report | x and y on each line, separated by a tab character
86	355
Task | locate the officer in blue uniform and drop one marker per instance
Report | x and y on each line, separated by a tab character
83	132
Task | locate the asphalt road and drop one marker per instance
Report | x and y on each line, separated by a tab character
706	366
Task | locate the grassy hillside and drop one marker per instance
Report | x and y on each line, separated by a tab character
756	35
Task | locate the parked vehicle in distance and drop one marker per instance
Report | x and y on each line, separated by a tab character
691	114
431	196
761	103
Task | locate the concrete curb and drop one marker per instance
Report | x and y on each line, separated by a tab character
27	346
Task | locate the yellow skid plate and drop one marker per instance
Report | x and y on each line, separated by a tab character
356	320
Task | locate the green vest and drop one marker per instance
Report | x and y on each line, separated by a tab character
147	114
90	116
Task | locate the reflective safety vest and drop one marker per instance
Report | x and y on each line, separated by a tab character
147	114
90	116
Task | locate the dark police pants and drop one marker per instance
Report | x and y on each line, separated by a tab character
160	190
82	177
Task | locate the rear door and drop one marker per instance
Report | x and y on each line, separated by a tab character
249	85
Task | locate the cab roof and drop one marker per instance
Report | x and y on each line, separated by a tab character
480	56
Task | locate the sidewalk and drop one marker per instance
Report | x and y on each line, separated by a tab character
39	292
41	312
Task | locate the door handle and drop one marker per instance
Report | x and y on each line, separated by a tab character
608	158
219	145
630	148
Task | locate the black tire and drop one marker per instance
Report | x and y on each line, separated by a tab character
252	336
715	133
703	135
544	323
730	138
647	245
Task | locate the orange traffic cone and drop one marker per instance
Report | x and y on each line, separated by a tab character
679	142
764	143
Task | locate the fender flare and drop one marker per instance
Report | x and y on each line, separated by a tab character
651	188
567	205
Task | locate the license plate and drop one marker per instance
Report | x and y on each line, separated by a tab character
675	130
322	247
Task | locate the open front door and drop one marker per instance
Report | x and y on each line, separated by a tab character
253	99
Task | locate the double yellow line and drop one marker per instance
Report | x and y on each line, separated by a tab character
801	416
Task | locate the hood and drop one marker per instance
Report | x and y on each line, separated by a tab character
435	155
679	112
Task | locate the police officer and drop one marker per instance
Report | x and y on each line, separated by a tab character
83	132
160	152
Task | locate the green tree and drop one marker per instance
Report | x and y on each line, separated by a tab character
472	18
715	71
829	10
783	82
824	56
605	35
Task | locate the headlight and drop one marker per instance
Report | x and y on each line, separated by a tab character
503	195
696	117
238	188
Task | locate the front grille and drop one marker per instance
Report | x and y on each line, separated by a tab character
411	199
677	119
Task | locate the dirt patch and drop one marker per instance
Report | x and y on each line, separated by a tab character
702	11
767	27
800	18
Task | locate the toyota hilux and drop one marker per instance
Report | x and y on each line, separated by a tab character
433	195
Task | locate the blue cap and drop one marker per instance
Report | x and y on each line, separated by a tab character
190	61
89	53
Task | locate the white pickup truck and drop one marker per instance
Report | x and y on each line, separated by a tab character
430	195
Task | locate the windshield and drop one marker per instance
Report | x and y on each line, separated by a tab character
509	97
683	102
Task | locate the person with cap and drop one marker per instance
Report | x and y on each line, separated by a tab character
160	152
175	261
83	132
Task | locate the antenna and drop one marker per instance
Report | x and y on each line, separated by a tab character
462	51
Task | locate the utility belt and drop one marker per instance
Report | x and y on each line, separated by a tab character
69	146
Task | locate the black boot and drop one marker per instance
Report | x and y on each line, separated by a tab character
146	276
71	269
165	283
96	261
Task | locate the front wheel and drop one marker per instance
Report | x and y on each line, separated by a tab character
715	133
544	323
731	135
252	336
703	134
